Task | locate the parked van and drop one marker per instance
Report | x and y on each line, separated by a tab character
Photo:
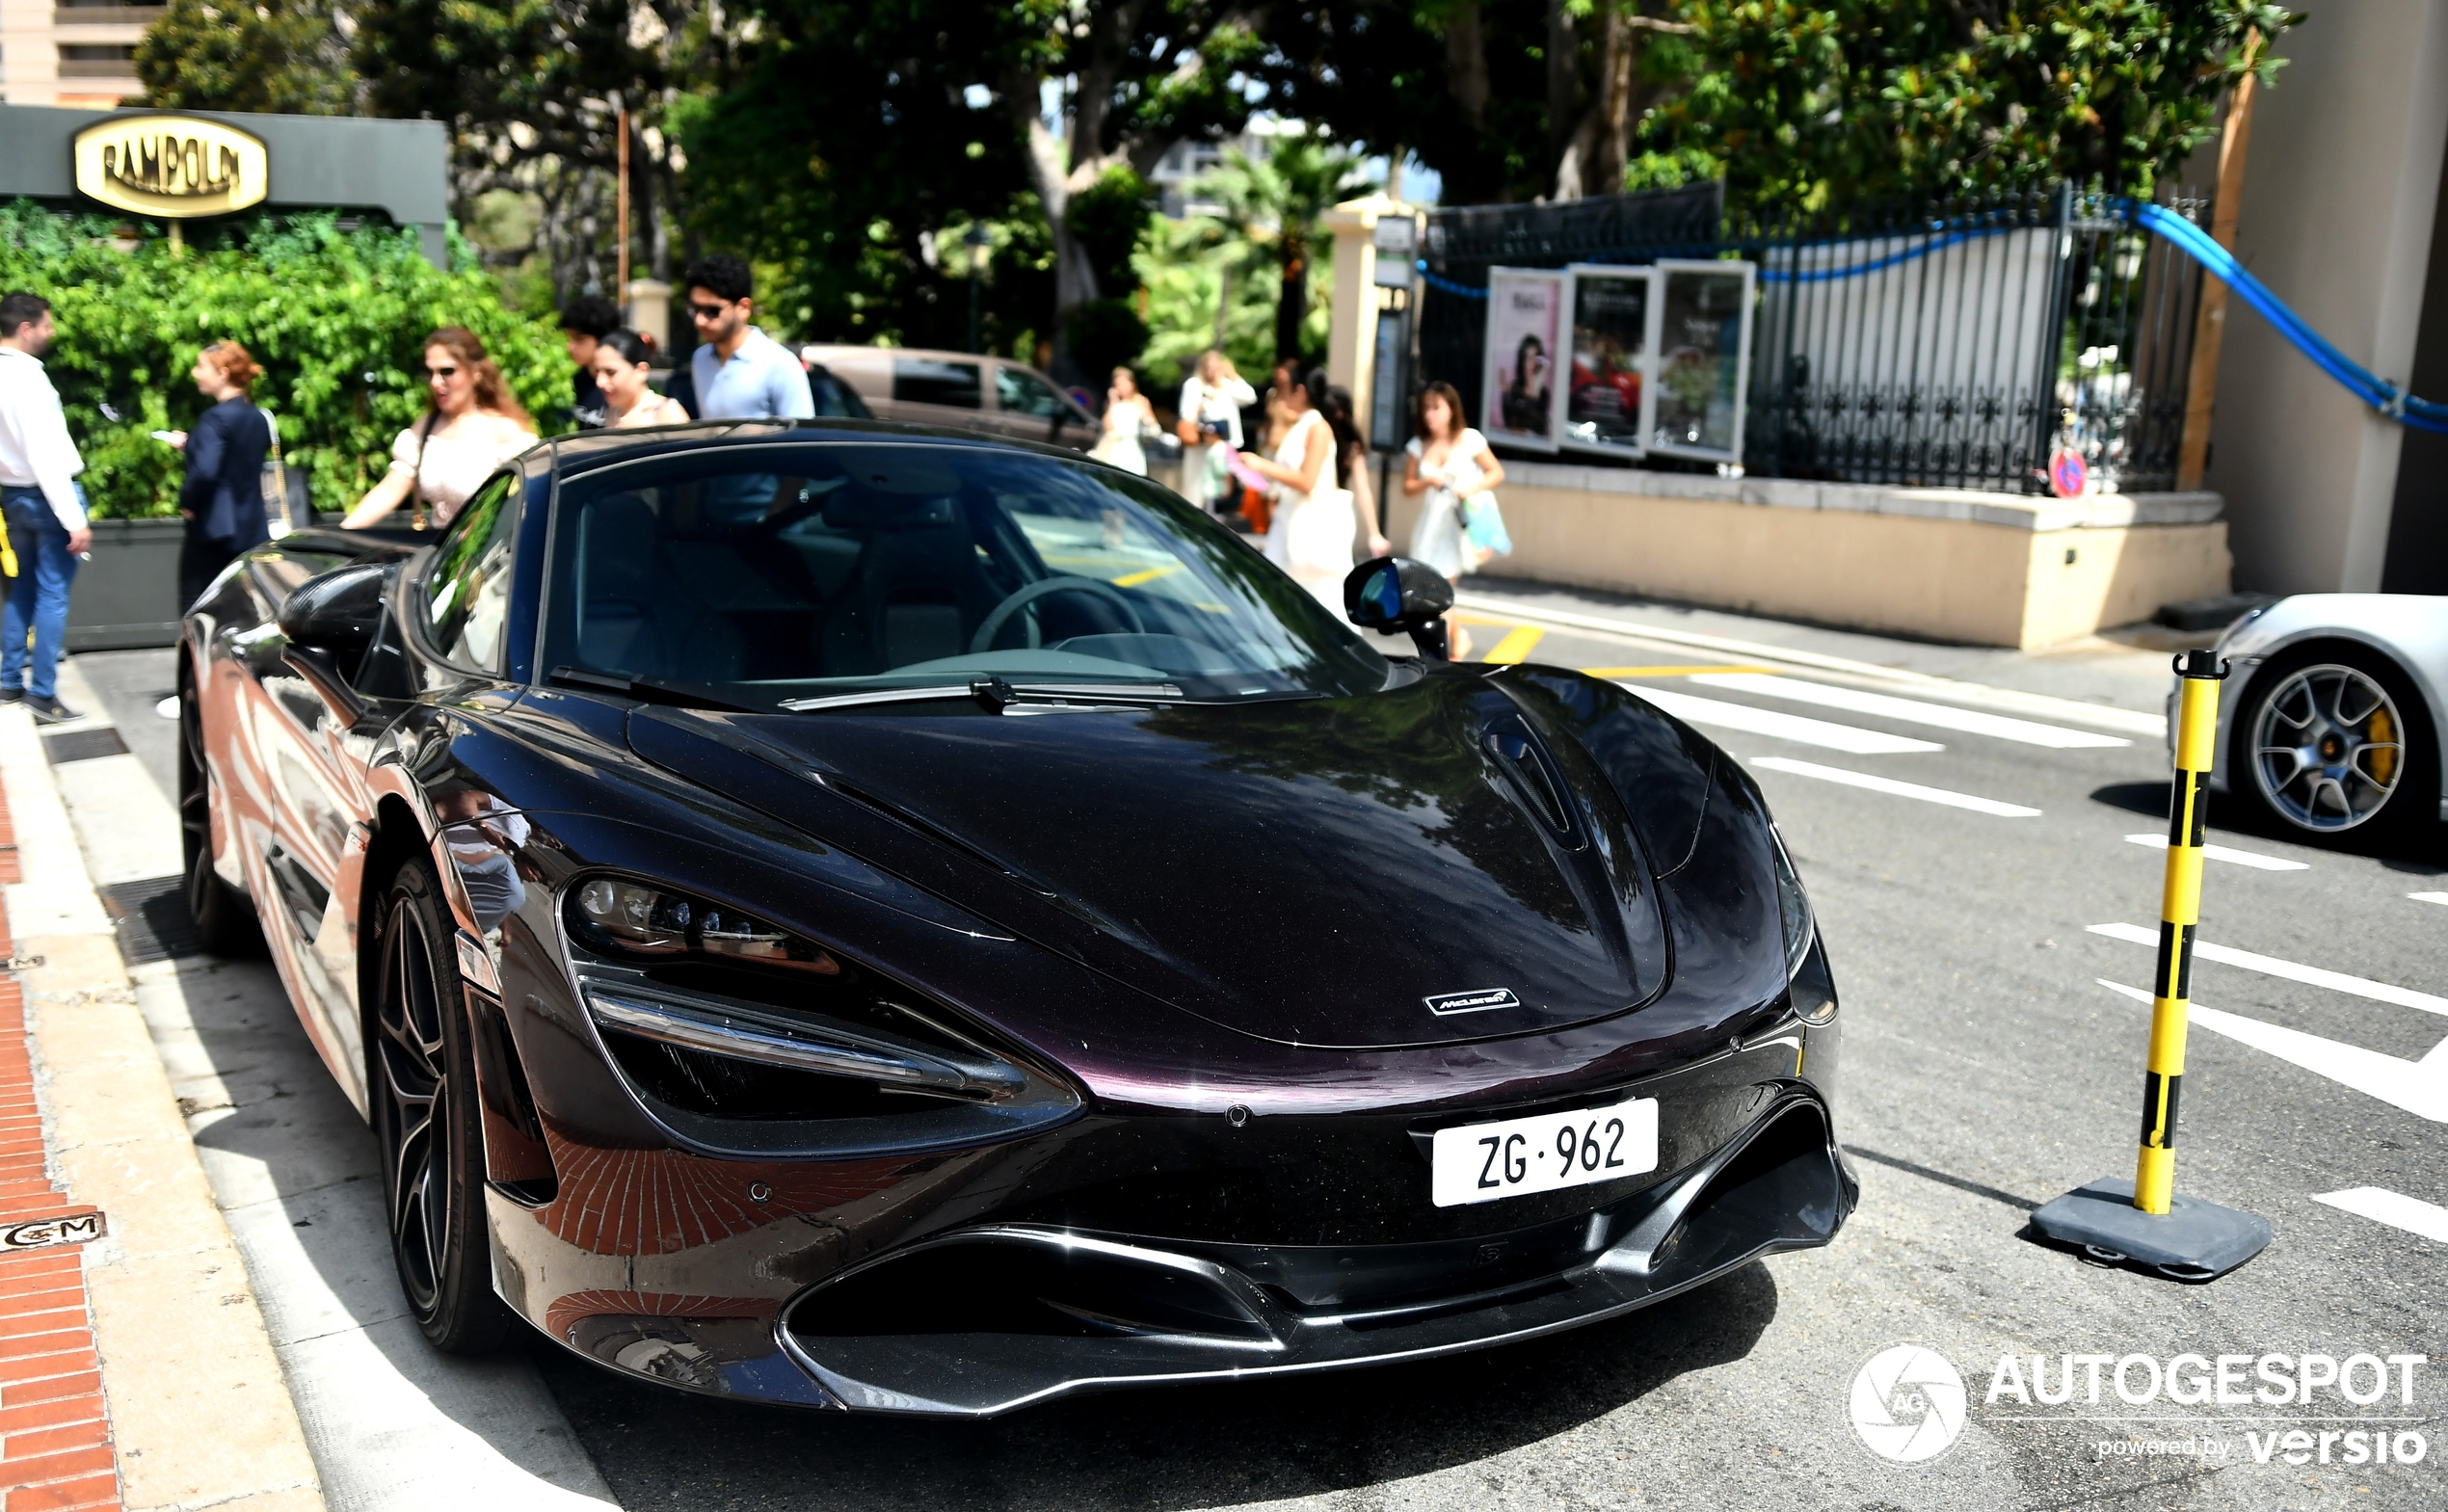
962	391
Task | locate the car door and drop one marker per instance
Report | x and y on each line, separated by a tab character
928	389
308	733
1031	409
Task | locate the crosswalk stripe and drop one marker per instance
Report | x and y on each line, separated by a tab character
1915	711
2428	897
2271	965
1783	725
2419	1087
1889	785
2428	1220
2228	854
1664	671
1517	645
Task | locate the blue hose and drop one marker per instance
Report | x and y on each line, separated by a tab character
2220	264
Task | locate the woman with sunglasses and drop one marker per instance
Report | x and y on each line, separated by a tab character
471	425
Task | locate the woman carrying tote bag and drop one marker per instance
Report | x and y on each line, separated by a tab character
1310	536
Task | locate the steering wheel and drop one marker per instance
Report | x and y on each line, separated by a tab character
1045	586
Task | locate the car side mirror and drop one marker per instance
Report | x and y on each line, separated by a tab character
1394	592
339	613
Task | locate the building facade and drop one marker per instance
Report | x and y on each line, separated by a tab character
71	52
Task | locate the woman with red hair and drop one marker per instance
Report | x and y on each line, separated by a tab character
221	499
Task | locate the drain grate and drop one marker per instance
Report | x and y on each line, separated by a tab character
152	919
83	744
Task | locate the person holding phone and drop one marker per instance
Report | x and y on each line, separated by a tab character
221	499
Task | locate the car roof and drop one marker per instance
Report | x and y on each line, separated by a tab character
587	450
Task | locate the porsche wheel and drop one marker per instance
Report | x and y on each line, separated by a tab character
226	922
421	1084
2334	739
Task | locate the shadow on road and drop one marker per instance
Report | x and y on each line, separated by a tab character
1192	1446
2417	849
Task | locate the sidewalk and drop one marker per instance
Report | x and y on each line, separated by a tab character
135	1368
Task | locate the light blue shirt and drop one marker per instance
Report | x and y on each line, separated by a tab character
762	381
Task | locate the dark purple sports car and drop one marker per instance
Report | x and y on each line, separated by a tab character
862	916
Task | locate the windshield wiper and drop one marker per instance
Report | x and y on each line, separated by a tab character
649	690
994	692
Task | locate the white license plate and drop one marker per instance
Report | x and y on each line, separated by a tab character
1481	1162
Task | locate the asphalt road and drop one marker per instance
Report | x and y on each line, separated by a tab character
1987	1071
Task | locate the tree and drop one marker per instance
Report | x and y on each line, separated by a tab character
1132	78
281	56
1815	104
533	90
1276	202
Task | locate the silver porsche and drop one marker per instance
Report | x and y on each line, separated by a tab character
2332	716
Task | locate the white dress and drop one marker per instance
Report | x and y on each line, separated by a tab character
1119	445
1437	536
451	463
1323	584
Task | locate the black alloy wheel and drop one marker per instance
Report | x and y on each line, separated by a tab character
2335	738
225	922
421	1084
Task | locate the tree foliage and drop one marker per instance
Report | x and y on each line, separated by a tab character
334	317
1810	104
281	56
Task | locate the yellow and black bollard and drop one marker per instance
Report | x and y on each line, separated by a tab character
2147	1221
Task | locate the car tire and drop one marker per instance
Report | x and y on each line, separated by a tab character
421	1090
225	922
2309	746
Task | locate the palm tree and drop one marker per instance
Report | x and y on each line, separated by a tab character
1275	202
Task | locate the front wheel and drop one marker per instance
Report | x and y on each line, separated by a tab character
2334	739
421	1083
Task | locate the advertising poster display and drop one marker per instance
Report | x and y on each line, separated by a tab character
1609	358
1700	341
1518	381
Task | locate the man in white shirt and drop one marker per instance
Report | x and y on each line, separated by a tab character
44	507
1212	402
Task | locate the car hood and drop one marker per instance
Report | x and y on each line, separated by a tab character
1419	866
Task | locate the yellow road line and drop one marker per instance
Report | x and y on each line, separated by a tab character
1517	645
1134	579
1664	671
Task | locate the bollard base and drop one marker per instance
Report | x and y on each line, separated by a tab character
2194	1240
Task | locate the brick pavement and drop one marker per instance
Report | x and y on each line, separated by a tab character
54	1434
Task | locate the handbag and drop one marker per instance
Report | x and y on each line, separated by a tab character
286	499
1317	536
1485	522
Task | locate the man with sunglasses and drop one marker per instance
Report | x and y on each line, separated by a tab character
740	373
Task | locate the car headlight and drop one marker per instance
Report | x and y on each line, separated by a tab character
1813	1000
624	917
716	1016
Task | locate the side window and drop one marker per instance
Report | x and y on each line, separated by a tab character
1021	391
834	397
466	594
921	380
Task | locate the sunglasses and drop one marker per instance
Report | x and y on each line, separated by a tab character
698	311
445	373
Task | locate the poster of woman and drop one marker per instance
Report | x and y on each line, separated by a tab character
1516	380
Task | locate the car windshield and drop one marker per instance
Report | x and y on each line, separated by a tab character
807	571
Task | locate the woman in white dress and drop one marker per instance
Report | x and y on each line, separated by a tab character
1298	540
473	425
621	361
1449	461
1127	412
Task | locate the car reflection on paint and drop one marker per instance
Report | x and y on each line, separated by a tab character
862	917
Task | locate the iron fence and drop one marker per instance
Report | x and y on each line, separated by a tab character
1958	345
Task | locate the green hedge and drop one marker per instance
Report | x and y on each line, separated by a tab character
333	316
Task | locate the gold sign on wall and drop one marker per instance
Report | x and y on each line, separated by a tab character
171	166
